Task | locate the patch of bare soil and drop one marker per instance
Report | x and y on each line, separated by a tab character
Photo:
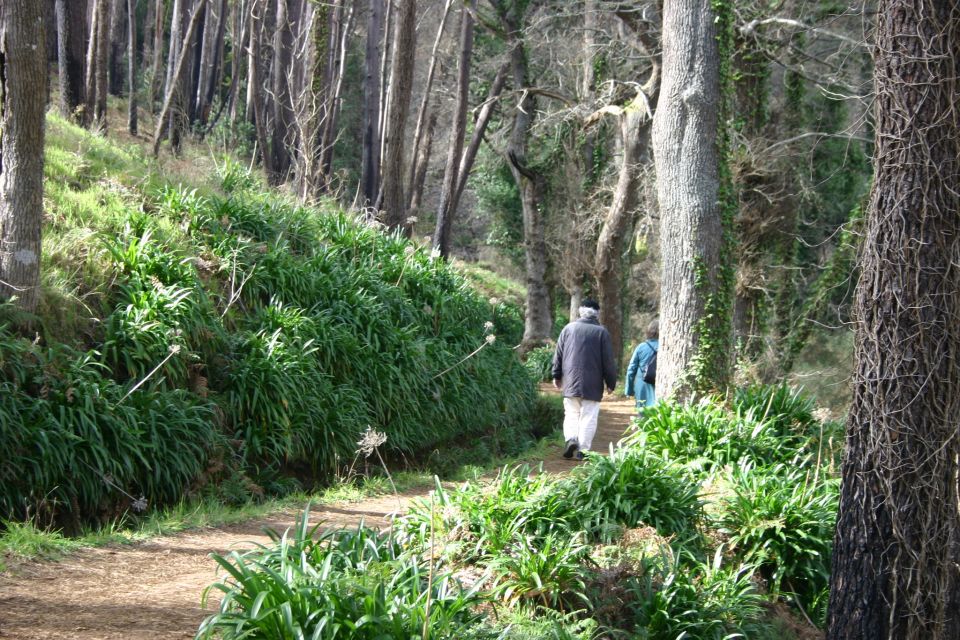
153	590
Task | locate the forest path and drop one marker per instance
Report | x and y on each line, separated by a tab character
152	590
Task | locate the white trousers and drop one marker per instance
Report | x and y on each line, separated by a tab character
580	421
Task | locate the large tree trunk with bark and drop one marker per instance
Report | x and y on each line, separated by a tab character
685	133
458	131
393	203
370	163
23	90
897	545
72	30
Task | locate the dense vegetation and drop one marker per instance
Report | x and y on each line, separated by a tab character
647	543
218	338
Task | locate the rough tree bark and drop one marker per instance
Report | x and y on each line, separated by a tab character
897	544
132	64
71	50
458	131
370	163
393	202
685	130
23	82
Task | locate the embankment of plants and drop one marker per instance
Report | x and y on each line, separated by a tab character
222	340
694	536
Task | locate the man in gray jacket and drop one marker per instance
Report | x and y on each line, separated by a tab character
582	364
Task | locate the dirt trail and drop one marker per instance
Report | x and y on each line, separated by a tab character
152	590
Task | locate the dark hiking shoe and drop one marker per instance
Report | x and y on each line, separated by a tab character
579	455
570	449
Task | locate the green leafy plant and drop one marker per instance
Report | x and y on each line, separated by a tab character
782	518
338	583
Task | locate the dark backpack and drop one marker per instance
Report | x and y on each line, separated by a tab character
650	371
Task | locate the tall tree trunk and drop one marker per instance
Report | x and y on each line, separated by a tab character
344	26
476	138
458	131
421	164
282	138
72	41
685	131
23	81
158	31
213	29
179	69
370	165
897	545
101	66
608	265
394	204
132	64
98	17
258	111
418	130
117	39
385	85
538	319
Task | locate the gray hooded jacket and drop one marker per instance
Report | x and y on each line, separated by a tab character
584	360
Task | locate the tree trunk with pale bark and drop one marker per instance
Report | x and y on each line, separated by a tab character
685	130
23	89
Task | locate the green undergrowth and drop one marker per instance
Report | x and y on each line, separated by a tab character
663	539
200	337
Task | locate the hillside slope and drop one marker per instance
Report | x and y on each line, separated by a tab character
218	337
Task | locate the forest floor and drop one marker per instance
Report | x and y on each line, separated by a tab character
153	590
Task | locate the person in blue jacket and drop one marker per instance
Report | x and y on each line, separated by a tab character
645	394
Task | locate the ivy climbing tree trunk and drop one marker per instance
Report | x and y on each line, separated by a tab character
897	544
23	95
695	322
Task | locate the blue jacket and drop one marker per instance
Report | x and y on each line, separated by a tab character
646	394
583	361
